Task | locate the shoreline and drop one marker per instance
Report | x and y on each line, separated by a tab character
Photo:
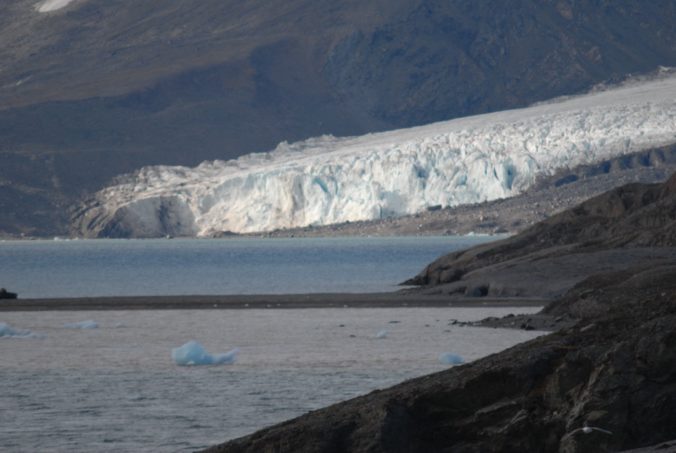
262	301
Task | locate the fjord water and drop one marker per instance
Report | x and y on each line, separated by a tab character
89	268
116	388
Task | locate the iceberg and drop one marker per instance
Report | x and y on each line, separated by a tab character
448	358
89	324
193	353
381	334
51	5
7	331
328	180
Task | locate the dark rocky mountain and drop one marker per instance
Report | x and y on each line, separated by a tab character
611	369
102	87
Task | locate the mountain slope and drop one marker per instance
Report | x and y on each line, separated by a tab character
328	180
103	87
566	247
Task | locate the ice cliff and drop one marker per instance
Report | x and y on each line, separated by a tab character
329	180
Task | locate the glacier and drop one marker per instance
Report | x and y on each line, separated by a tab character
327	180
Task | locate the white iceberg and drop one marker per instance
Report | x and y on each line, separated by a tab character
448	358
7	331
193	353
89	324
52	5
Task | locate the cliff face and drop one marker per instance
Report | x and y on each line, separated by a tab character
614	370
100	88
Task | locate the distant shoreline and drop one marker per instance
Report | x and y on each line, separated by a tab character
262	301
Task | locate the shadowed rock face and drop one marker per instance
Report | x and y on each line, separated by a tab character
101	87
614	368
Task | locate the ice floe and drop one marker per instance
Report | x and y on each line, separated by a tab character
89	324
52	5
193	353
7	331
448	358
381	334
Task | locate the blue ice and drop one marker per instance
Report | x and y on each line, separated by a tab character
7	331
89	324
193	353
381	334
448	358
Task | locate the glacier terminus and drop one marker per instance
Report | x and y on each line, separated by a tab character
327	180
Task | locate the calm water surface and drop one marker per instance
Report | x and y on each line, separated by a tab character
116	388
217	266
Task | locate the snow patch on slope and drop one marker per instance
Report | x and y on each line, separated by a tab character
52	5
328	180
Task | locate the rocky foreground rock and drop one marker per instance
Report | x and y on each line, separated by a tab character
606	383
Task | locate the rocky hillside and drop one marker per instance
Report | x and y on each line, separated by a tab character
100	87
606	383
635	215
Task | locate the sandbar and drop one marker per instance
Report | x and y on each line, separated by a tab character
263	301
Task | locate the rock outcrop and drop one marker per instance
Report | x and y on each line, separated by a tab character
4	294
631	225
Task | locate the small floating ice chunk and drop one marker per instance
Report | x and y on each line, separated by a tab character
51	5
7	331
89	324
193	353
448	358
381	334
